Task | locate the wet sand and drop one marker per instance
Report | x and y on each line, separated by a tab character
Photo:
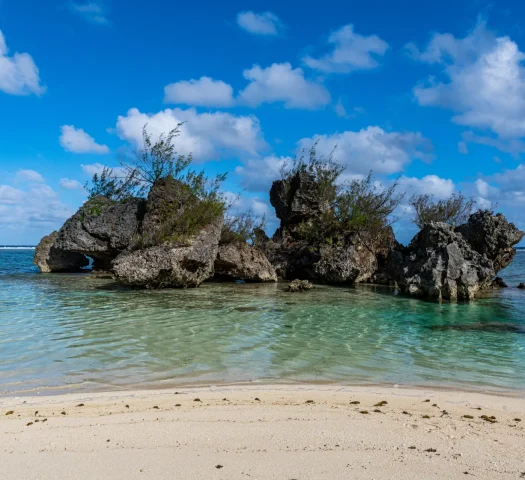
264	432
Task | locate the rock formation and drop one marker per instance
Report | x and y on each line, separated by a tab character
244	262
443	263
358	258
171	250
171	264
48	258
102	229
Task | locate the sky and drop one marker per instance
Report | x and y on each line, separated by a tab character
431	96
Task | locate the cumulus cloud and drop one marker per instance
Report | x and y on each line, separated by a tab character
257	175
351	51
482	80
372	148
18	73
202	92
33	207
29	176
282	83
277	83
266	23
92	12
440	188
207	136
77	140
68	184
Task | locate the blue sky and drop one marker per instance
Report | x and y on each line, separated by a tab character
433	96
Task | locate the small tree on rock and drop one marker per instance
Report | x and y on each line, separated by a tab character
454	210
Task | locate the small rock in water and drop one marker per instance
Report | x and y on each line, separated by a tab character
521	286
299	286
498	283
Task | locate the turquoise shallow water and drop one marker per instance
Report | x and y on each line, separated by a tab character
73	332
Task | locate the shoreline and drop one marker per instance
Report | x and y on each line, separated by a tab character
264	431
58	391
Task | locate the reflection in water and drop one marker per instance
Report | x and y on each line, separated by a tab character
85	333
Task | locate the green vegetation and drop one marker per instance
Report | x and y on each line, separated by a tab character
191	199
454	210
241	227
361	207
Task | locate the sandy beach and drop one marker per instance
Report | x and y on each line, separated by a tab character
264	432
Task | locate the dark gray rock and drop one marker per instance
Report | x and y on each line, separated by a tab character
521	286
442	263
102	229
244	262
171	265
439	264
359	259
297	199
493	236
498	283
48	258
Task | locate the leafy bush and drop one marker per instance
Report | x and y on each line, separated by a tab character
193	203
356	207
109	185
325	172
241	227
454	210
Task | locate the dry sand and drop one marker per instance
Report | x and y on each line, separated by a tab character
264	432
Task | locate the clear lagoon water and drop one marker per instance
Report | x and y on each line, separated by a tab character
77	333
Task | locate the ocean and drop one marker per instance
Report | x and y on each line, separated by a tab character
70	332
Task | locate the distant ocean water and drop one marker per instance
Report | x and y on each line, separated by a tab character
73	332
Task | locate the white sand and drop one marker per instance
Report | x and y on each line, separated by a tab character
279	437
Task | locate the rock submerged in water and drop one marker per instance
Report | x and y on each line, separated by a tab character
243	262
498	282
521	286
493	327
299	286
48	258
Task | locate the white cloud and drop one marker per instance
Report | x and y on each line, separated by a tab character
483	81
282	83
206	135
440	188
69	184
77	140
10	195
93	168
512	146
277	83
257	175
18	73
29	176
373	149
202	92
351	52
91	12
37	206
266	23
